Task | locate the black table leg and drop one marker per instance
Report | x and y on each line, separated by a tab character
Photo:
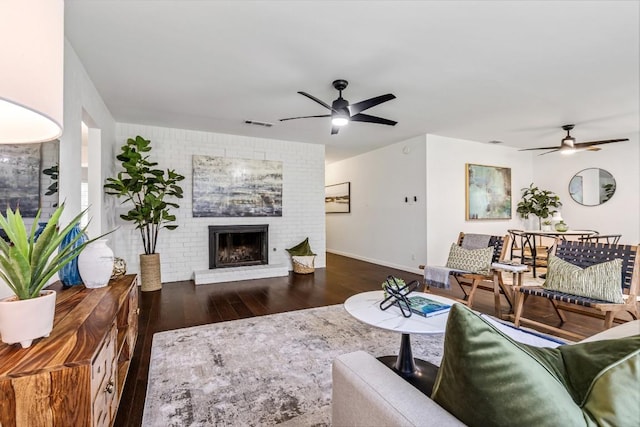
418	373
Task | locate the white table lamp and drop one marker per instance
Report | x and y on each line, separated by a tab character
32	64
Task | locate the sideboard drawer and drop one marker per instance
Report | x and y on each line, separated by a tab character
103	380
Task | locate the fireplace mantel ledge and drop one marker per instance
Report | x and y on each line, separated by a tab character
232	274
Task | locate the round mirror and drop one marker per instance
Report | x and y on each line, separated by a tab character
592	186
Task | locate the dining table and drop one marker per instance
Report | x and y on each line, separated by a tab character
529	239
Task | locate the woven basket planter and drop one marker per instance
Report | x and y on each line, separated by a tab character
303	264
150	272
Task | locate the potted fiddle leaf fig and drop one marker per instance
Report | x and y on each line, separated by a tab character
541	203
147	190
27	262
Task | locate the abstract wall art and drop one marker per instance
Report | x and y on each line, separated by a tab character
488	192
228	187
337	198
20	178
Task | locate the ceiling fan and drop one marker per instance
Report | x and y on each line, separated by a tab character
342	112
569	146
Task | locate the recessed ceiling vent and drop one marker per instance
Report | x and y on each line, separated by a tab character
256	123
493	141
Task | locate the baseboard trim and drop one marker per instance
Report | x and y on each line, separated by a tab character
377	261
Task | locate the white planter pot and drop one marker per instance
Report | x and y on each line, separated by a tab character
95	264
22	321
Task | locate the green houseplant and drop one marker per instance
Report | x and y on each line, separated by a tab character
146	188
541	203
27	263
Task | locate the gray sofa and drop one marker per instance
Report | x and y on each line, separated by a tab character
367	393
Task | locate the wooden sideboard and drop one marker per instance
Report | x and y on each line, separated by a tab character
75	376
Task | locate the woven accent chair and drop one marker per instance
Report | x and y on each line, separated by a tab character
480	281
584	254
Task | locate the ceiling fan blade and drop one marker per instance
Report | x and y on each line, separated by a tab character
334	130
592	143
552	151
372	119
593	148
541	148
368	103
305	117
313	98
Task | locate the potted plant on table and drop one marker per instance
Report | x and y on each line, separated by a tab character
27	262
541	203
147	188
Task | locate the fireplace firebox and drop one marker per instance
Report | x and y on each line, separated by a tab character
238	245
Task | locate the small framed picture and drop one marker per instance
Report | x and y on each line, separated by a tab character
337	198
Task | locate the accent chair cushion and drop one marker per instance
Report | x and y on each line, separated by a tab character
488	379
600	281
472	260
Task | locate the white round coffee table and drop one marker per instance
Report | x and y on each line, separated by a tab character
366	308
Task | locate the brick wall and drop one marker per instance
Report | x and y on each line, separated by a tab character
185	250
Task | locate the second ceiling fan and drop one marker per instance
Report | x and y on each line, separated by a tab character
569	145
342	112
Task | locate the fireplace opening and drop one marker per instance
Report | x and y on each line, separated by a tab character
238	245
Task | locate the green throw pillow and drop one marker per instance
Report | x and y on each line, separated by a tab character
488	379
473	260
600	281
301	249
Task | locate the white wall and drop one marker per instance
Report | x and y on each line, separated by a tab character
185	250
620	214
445	213
381	227
81	99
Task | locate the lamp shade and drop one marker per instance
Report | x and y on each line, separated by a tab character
31	70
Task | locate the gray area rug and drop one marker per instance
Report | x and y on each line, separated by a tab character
268	370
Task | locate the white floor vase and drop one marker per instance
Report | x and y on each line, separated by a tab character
96	264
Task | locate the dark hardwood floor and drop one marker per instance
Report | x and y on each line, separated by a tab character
182	304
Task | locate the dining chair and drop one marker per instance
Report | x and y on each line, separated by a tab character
530	249
610	239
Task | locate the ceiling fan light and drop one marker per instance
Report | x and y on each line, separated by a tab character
568	141
339	121
567	150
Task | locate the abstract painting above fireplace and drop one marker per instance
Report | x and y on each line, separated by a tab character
226	187
238	245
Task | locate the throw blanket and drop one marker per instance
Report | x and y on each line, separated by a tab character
475	241
438	277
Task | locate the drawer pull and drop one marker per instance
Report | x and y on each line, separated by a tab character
137	310
109	387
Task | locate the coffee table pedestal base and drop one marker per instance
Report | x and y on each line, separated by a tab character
418	373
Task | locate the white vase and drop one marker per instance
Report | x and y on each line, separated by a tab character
22	321
96	264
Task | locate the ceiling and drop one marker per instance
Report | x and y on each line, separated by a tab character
492	70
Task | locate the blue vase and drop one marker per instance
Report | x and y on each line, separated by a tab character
69	274
39	230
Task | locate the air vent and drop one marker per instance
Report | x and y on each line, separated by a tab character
493	141
253	122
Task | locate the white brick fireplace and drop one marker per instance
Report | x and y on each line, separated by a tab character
184	251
